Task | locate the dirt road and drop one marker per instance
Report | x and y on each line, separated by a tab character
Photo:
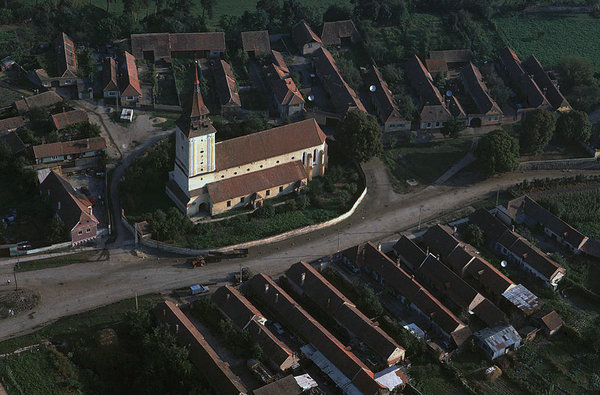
76	288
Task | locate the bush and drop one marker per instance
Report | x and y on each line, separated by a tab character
474	236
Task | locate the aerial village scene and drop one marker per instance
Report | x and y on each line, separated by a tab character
282	197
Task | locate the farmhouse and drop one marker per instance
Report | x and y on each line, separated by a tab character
129	84
68	150
489	111
306	281
157	46
341	94
517	249
556	99
497	341
13	142
216	177
304	37
447	61
288	99
67	118
66	66
72	208
256	43
340	33
526	210
202	355
11	124
227	88
348	372
44	99
245	316
434	111
110	81
383	100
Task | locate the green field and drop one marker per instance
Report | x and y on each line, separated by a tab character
423	162
550	38
55	262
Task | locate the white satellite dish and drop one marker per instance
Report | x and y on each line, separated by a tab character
372	88
449	93
311	98
503	263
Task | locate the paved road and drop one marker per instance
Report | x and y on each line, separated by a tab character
81	287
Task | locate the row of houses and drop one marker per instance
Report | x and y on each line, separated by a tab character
344	368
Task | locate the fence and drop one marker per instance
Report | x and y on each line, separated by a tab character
578	163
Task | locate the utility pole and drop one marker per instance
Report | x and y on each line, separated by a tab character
15	273
338	250
137	307
241	274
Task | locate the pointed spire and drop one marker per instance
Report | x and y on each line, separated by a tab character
196	80
198	108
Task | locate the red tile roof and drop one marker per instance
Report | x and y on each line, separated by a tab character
269	143
334	32
342	95
64	119
279	61
303	34
452	55
13	123
286	92
67	61
246	184
256	41
43	99
204	357
69	147
130	85
194	121
331	300
227	88
552	321
436	66
473	81
195	42
109	75
387	110
551	91
298	320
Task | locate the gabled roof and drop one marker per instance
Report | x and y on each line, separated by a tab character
268	144
536	259
476	87
534	67
12	123
333	32
436	66
342	95
338	306
279	61
64	119
286	92
43	99
296	318
204	357
440	239
387	110
452	55
256	41
408	252
449	283
488	276
67	61
551	321
74	208
535	211
130	85
487	312
512	64
227	88
13	142
434	108
488	223
196	42
303	34
246	184
523	299
109	75
498	338
69	147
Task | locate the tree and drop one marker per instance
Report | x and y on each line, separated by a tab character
536	131
576	71
406	106
359	135
474	235
453	127
498	90
498	152
574	126
337	12
208	7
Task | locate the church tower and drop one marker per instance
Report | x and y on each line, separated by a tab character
195	137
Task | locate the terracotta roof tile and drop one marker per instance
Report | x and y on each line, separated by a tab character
473	81
268	144
387	110
69	147
286	92
334	32
435	66
303	34
452	55
67	61
13	123
227	88
256	41
246	184
109	75
64	119
43	99
551	91
130	85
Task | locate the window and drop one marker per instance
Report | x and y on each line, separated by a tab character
304	157
437	124
80	232
277	162
241	200
229	203
129	98
314	156
234	173
428	124
261	166
248	169
87	230
293	157
280	189
222	176
68	81
268	192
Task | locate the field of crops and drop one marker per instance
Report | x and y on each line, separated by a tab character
551	38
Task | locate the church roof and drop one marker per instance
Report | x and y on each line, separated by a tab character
269	143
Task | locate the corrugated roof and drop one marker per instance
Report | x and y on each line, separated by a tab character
246	184
499	338
269	143
523	299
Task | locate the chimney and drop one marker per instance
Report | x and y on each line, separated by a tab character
276	297
176	328
266	288
58	205
302	278
378	246
513	228
228	295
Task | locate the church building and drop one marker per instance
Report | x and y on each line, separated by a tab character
216	177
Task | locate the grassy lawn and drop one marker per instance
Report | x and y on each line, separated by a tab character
423	162
551	38
9	95
166	90
170	118
55	262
